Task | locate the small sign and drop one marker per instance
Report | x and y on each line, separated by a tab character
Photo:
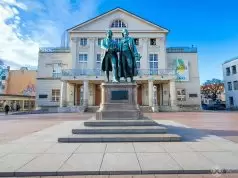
119	95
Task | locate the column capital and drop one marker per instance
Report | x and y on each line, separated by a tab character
145	40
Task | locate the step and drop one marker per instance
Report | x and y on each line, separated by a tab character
121	138
120	130
104	123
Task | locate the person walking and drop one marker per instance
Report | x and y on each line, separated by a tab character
6	109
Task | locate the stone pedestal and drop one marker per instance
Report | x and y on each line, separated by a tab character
118	102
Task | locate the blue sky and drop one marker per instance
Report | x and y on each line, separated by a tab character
210	25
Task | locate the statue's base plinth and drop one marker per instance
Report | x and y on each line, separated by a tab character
119	102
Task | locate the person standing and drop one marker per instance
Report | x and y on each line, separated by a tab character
6	109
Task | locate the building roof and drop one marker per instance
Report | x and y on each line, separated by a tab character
230	60
121	9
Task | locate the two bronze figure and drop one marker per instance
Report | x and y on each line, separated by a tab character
125	65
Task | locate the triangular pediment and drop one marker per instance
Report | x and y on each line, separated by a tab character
103	22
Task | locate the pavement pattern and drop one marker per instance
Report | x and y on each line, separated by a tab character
39	154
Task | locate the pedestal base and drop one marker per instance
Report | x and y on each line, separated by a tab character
119	102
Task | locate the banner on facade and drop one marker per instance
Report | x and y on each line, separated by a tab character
182	70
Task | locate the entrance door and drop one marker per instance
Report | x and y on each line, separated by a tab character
139	94
97	95
78	95
158	94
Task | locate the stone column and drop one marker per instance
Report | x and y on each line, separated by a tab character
91	57
85	93
63	94
150	92
74	51
144	60
172	90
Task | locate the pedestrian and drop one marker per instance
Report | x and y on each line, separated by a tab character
6	109
18	107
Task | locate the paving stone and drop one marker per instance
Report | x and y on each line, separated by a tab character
157	163
44	165
114	163
176	147
121	176
193	161
91	148
204	146
227	146
191	176
82	163
120	147
97	176
166	176
144	176
63	148
148	147
223	160
9	148
12	162
34	148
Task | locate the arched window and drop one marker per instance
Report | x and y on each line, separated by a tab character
118	24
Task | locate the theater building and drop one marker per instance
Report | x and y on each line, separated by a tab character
69	76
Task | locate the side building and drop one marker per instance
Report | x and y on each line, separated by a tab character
230	76
168	78
19	88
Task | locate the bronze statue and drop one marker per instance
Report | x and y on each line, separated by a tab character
128	56
109	56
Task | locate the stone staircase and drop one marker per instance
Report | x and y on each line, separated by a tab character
120	131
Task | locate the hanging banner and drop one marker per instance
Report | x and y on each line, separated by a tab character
182	70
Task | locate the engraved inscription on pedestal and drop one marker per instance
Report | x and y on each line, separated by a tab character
119	101
119	95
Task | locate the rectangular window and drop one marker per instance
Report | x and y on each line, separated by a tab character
43	96
229	85
83	41
83	59
231	101
233	69
152	41
98	64
55	95
228	71
181	94
153	60
193	95
57	69
99	41
26	104
136	40
235	83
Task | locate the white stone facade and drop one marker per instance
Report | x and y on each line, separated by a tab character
76	74
230	76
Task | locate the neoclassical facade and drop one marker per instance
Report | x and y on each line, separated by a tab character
70	76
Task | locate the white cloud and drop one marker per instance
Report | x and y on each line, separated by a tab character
42	25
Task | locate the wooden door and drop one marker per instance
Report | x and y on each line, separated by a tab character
139	95
158	94
78	95
97	95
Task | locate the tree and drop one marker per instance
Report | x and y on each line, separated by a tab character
211	88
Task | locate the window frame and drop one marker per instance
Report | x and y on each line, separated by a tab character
181	94
155	60
232	69
228	71
55	95
151	41
137	41
83	41
235	85
229	86
118	23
